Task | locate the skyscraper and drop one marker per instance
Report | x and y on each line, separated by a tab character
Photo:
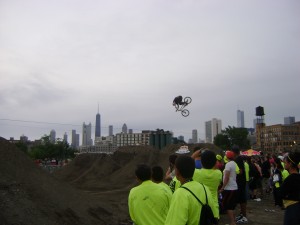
65	138
98	124
289	120
73	141
52	136
86	135
124	128
194	136
212	128
110	130
240	119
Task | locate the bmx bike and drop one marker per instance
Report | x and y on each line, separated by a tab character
181	107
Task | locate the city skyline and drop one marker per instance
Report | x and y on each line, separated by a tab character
58	59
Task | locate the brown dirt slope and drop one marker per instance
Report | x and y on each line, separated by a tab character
29	195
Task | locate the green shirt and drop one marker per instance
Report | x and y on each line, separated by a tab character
174	184
184	208
148	203
212	178
247	171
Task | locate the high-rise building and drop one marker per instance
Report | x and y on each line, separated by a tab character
110	130
194	136
65	137
212	128
98	124
86	135
240	119
52	136
255	121
73	139
289	120
124	128
130	131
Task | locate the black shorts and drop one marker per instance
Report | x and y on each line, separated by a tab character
242	196
229	199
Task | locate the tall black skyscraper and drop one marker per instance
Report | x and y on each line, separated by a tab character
98	125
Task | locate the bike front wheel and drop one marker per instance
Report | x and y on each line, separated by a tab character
187	100
185	112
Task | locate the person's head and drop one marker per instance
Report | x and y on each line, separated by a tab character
292	160
157	174
229	155
143	172
236	149
172	159
208	159
184	166
278	164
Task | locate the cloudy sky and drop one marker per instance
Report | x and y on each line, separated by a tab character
59	59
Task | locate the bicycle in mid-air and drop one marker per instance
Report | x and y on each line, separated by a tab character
180	105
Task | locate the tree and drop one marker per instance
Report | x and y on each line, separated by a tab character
232	136
58	150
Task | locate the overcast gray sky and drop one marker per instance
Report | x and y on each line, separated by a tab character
60	58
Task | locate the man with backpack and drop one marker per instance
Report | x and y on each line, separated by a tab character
185	208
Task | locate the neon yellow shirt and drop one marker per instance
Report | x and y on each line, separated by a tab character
247	171
184	208
164	185
285	174
175	184
212	179
148	204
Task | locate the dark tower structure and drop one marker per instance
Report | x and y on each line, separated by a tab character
98	124
260	127
260	114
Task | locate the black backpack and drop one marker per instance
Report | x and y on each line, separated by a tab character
206	216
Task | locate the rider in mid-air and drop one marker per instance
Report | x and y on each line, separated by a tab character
177	101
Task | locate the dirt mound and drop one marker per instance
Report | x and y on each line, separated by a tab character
92	189
29	195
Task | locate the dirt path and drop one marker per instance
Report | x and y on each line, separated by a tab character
257	214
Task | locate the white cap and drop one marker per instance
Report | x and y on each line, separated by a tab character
280	157
183	150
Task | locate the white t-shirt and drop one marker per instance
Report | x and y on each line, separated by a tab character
231	167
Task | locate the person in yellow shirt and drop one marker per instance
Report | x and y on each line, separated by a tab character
185	208
211	177
157	176
148	202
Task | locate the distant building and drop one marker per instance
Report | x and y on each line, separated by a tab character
105	145
160	138
255	121
86	135
74	139
181	138
194	136
240	119
130	131
212	128
65	137
126	139
110	130
98	125
278	138
24	139
289	120
52	136
124	128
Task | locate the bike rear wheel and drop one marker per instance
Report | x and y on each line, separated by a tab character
187	100
185	112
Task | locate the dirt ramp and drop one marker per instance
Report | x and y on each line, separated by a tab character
29	195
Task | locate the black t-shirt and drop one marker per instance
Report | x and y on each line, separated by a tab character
265	169
290	188
241	177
